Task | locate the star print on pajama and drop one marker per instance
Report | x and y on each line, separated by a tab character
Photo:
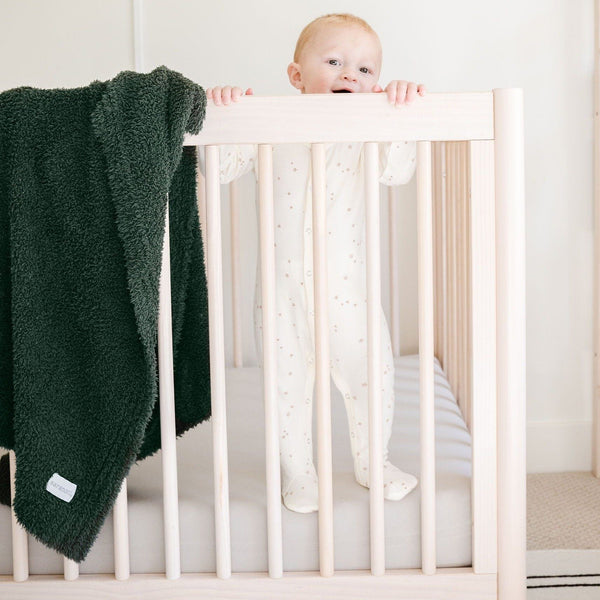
347	304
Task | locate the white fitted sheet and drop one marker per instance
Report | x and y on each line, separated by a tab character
245	418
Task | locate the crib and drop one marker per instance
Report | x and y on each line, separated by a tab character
471	307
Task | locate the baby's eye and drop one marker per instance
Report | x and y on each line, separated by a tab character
364	70
334	61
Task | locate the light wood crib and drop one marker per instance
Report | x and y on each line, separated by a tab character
471	304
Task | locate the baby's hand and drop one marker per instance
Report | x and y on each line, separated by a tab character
402	92
224	95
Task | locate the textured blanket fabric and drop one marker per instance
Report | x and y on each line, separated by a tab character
84	179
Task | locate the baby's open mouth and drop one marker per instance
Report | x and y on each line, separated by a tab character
342	91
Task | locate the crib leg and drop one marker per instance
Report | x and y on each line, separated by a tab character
20	542
510	323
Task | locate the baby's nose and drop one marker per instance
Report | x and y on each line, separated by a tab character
350	76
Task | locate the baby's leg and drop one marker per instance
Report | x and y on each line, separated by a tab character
295	381
350	375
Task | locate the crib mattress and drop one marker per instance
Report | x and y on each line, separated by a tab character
245	418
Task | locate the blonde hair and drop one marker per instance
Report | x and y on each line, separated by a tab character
332	19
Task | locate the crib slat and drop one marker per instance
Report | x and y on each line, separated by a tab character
267	270
460	278
121	534
214	276
510	331
374	360
20	543
322	376
201	202
444	244
236	273
463	280
167	414
483	356
438	233
466	320
439	244
426	379
455	262
450	225
394	267
453	206
435	234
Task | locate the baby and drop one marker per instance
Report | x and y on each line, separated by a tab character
334	53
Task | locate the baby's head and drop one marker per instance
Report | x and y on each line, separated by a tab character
334	53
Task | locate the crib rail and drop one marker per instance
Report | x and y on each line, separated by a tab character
320	118
456	204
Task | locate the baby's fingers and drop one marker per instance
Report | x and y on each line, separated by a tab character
411	92
396	92
236	92
222	96
404	92
226	95
215	95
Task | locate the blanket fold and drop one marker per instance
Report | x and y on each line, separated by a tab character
84	178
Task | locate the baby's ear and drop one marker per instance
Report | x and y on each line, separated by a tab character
294	74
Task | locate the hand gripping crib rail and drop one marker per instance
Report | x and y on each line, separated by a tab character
471	294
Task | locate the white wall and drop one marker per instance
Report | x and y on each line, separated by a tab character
543	46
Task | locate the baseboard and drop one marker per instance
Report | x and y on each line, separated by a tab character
554	446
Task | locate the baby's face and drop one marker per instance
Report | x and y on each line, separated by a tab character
338	58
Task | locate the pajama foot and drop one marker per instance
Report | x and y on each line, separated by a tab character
396	483
301	492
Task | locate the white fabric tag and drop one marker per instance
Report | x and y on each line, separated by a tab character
61	487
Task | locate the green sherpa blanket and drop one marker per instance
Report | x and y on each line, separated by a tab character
84	178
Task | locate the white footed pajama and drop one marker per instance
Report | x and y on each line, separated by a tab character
347	308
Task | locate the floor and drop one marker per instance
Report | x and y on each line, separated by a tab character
563	536
563	511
